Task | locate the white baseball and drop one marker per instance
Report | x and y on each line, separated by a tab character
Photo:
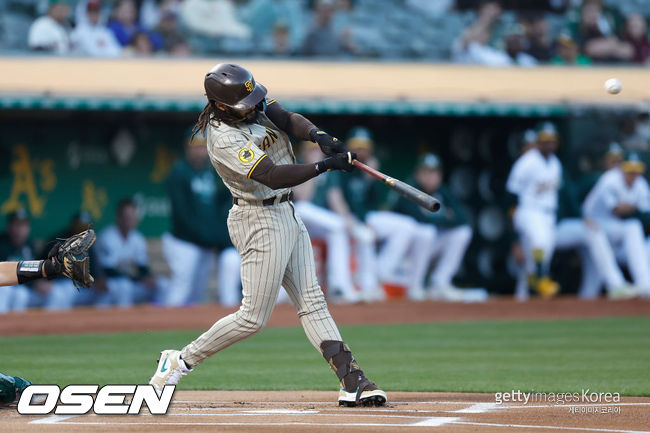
613	86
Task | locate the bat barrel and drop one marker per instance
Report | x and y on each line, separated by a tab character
407	191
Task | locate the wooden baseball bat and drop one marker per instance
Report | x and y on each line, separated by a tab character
411	193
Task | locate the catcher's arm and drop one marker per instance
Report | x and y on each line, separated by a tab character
12	273
8	274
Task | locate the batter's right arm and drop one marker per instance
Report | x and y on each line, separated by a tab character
300	127
288	175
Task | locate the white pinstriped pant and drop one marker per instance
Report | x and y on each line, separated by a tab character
275	250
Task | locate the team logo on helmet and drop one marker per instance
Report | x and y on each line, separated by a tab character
249	86
246	155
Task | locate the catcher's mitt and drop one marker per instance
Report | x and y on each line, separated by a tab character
70	258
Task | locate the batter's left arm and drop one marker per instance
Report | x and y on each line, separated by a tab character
302	128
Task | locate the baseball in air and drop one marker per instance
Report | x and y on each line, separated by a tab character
613	86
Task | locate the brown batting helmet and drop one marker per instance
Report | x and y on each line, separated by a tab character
234	86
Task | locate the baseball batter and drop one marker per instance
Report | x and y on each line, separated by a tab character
249	148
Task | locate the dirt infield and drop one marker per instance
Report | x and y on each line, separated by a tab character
150	318
315	412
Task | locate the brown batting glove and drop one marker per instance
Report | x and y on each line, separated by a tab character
340	161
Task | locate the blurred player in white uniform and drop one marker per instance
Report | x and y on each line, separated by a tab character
620	194
122	255
575	231
310	201
535	179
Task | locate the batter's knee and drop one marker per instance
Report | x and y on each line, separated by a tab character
250	322
315	304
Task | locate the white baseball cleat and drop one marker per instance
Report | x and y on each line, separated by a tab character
626	291
366	394
169	371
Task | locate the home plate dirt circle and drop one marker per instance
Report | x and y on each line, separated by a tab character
317	411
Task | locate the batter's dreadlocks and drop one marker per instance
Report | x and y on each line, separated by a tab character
206	115
211	113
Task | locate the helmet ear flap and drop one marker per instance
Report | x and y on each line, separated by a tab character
261	106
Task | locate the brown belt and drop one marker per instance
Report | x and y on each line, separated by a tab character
268	202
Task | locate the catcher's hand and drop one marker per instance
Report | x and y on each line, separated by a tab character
70	258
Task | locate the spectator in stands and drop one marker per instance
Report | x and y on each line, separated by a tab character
261	15
122	255
322	39
474	45
516	45
125	26
568	52
636	35
152	11
50	33
445	234
199	208
432	9
537	33
140	46
213	18
173	38
92	38
281	40
311	205
597	38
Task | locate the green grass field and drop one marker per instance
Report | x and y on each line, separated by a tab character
604	355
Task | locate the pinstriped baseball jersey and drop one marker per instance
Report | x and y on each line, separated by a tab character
272	240
235	150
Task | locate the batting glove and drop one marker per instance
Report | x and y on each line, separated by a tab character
340	161
328	144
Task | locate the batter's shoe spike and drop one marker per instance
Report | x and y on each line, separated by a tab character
171	368
366	393
356	389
